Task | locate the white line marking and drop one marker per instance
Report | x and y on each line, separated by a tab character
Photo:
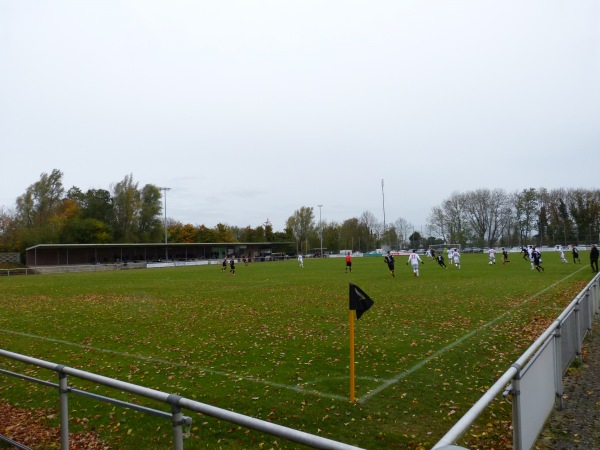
416	367
295	388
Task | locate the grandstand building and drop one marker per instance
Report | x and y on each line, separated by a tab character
93	254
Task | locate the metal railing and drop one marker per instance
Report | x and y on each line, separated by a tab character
16	271
535	379
177	404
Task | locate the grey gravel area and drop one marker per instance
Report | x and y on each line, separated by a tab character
577	426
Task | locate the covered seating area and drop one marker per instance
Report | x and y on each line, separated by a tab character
91	254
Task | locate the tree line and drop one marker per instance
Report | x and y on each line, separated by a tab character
479	218
486	217
47	213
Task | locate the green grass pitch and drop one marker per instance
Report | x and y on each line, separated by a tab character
272	342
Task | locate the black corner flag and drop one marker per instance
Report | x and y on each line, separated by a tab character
359	300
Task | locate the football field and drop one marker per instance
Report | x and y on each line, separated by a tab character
272	342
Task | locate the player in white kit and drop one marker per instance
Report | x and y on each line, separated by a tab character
414	261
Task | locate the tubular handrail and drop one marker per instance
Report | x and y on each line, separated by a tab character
181	402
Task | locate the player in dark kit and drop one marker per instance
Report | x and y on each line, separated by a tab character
537	259
504	256
594	258
576	256
440	260
389	260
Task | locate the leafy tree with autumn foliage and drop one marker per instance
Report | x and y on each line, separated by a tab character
187	233
38	210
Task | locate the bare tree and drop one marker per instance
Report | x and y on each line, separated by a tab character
436	222
485	209
508	222
403	229
454	214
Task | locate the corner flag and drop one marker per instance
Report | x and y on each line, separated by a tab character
359	300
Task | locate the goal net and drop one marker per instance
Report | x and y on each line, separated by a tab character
443	248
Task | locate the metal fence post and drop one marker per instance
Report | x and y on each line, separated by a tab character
177	421
596	290
594	294
589	314
63	390
579	339
516	411
558	366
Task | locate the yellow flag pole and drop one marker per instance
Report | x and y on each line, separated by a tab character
351	356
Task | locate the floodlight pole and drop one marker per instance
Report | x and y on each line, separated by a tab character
321	230
383	198
165	189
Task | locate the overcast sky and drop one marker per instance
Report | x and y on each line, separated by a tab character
249	110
